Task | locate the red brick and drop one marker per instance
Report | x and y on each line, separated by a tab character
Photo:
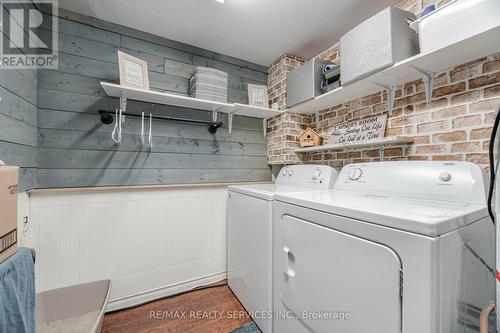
431	149
449	112
448	137
465	97
486	105
466	147
451	157
480	133
466	121
421	140
392	152
492	91
434	126
465	73
394	131
440	80
478	158
471	63
437	103
484	80
406	120
418	158
489	118
448	90
491	66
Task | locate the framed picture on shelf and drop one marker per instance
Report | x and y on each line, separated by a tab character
257	95
133	71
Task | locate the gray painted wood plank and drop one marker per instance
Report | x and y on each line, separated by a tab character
51	178
58	81
86	31
16	83
15	107
71	135
63	139
109	72
108	26
178	68
57	100
86	48
29	74
51	119
190	58
16	131
20	155
93	159
28	179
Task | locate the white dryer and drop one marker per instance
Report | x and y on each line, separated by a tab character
250	237
395	247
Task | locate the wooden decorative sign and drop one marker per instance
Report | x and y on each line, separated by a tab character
369	128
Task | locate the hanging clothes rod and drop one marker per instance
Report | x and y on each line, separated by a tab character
107	118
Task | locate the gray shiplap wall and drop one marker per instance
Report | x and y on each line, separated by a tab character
76	150
18	123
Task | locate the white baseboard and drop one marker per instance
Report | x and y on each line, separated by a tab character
155	294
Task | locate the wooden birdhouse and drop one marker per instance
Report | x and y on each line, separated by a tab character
309	138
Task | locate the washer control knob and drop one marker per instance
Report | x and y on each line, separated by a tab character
290	172
316	173
445	176
356	174
284	172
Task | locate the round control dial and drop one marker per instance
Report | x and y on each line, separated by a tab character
316	173
290	172
445	176
284	172
356	174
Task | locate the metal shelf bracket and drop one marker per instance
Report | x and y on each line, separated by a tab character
123	104
428	79
264	125
230	122
391	96
381	152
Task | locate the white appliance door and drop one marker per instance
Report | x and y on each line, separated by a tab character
336	282
249	255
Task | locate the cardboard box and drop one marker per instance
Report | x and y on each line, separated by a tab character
9	180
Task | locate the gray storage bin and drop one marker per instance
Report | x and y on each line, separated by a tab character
304	83
376	44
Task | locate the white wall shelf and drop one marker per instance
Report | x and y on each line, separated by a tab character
150	96
381	143
421	66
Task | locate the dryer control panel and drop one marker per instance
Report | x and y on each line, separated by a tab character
449	181
312	176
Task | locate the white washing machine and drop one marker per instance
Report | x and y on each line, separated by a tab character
395	247
249	235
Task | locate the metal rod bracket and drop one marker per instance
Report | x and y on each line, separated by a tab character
107	118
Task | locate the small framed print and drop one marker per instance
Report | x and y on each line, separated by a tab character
133	71
257	95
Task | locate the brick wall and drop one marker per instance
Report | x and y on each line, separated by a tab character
276	79
456	126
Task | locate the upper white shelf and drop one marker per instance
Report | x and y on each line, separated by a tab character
115	90
390	140
475	47
254	111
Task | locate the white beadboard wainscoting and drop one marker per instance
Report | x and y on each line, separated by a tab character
150	242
